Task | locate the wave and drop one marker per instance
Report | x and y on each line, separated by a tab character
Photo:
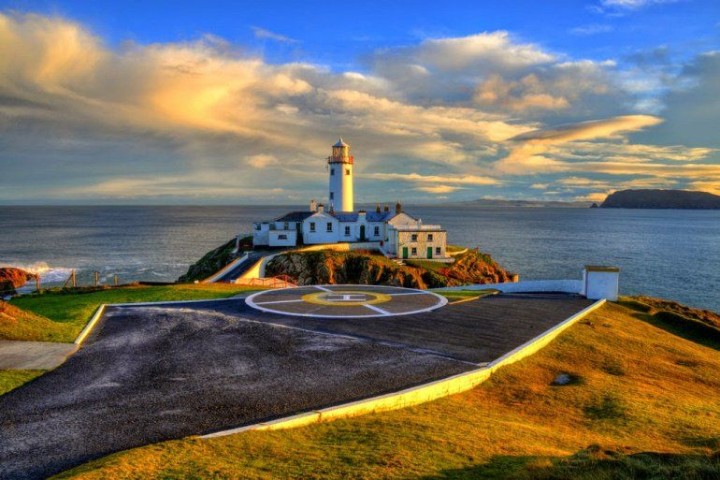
47	273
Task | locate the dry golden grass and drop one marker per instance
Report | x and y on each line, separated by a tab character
638	388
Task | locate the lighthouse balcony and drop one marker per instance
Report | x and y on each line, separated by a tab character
349	159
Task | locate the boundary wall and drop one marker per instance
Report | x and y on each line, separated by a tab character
528	286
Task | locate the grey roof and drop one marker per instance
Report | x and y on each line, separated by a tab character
352	217
294	217
346	216
379	216
340	143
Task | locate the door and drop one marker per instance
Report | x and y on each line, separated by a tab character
362	233
429	252
405	252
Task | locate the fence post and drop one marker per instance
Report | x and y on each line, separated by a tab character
37	282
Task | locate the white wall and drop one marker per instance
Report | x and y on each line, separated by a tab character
529	286
601	284
276	240
321	235
261	237
341	186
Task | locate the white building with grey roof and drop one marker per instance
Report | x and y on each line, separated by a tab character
395	233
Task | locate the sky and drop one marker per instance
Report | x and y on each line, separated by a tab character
229	102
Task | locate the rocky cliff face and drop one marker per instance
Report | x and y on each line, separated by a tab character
12	278
662	199
366	268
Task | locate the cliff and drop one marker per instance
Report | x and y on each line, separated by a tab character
684	199
367	268
12	278
214	260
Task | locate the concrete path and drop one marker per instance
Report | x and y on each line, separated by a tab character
21	355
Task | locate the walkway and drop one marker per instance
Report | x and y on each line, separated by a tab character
22	355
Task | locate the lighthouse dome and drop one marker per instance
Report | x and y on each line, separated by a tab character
340	143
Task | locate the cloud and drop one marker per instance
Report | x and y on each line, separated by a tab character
262	160
268	35
205	119
592	29
445	179
439	189
606	128
633	4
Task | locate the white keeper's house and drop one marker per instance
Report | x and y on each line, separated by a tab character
395	233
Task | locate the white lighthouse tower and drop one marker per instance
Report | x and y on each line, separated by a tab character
340	166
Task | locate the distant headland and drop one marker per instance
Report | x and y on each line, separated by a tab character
685	199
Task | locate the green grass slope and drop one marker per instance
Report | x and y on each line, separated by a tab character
60	316
642	403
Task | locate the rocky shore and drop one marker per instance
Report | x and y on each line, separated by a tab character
12	278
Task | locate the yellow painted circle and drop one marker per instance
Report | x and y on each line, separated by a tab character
344	298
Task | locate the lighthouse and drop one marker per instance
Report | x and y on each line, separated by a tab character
340	171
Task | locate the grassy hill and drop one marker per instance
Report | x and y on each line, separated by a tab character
642	402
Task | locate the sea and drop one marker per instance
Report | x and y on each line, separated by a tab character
674	254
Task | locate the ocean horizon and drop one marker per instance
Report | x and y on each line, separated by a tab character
673	254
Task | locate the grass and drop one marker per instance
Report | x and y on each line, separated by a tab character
60	316
516	425
11	379
458	295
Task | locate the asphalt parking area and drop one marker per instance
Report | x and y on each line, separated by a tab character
155	373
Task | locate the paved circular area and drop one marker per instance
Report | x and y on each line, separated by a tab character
346	301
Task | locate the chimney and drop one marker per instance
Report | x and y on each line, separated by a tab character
387	209
398	208
377	208
313	205
361	213
321	208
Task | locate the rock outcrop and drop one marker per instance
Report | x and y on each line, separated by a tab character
12	278
684	199
367	268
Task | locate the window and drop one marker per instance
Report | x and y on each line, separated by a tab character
438	251
347	231
312	226
257	226
286	226
413	251
376	231
413	238
329	226
430	237
282	237
332	171
347	171
332	195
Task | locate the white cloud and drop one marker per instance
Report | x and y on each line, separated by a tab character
268	35
592	29
202	118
